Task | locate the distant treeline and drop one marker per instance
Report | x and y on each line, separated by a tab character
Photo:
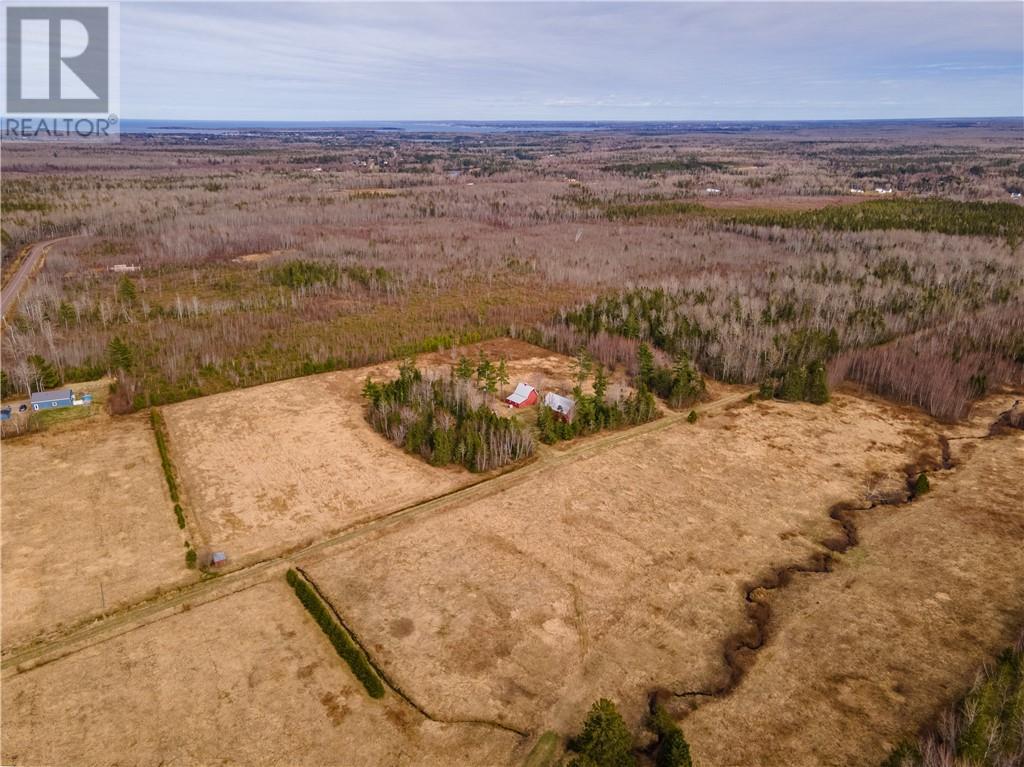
986	219
691	164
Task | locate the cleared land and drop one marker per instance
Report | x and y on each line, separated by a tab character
896	631
614	571
281	465
278	466
88	525
248	679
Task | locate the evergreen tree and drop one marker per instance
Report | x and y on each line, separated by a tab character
483	370
921	484
464	370
605	740
45	376
66	314
645	363
126	291
687	382
600	383
372	392
673	750
817	383
442	440
503	377
794	384
581	366
120	354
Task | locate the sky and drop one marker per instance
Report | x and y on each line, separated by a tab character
571	61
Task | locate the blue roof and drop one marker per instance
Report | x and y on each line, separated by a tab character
50	396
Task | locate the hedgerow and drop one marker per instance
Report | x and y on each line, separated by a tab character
343	643
159	429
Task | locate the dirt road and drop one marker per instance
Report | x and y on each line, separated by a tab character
139	614
33	259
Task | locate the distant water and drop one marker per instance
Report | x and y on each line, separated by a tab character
487	126
243	126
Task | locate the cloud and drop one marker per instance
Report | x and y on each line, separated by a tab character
339	61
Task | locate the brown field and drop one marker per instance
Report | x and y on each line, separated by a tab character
614	571
901	624
248	679
87	524
615	566
282	465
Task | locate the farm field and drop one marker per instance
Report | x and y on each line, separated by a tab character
614	571
899	624
248	679
279	466
101	536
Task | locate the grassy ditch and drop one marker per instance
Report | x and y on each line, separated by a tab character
343	643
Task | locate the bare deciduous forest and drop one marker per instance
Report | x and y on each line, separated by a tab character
203	262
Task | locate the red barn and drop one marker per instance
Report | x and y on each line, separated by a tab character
524	396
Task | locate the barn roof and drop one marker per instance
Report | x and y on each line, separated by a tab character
558	403
50	396
521	394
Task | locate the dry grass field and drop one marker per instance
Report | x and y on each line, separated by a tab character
87	524
248	679
615	566
901	624
278	466
615	571
281	465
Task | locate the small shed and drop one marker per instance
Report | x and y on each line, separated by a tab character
218	559
44	400
524	396
563	406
